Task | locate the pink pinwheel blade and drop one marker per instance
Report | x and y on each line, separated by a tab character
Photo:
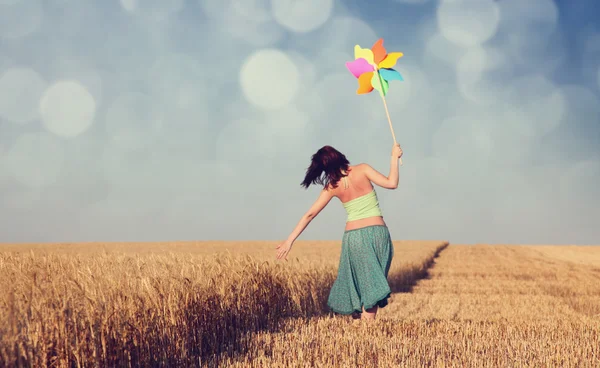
359	66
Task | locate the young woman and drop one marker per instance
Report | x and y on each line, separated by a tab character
367	251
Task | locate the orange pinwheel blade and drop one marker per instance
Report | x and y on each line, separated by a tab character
390	60
379	52
364	83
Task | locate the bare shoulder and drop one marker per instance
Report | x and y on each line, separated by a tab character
368	171
362	167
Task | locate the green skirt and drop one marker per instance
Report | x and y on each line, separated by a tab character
363	269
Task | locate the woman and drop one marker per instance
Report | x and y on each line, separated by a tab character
361	285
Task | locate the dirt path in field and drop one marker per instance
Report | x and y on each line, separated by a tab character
489	283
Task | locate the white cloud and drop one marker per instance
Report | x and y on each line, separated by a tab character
412	2
35	160
171	69
474	71
587	42
583	104
289	126
340	34
248	20
338	112
20	18
134	121
544	102
438	47
468	22
20	93
116	221
463	140
302	16
183	87
516	206
327	60
22	199
129	5
428	177
578	188
153	9
582	178
307	69
245	140
518	17
121	167
528	32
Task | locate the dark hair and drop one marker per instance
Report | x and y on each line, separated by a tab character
325	167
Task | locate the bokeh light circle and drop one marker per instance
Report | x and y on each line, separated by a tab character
269	79
155	9
67	108
468	22
302	16
35	159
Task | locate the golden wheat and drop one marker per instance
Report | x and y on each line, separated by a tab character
231	304
175	304
480	306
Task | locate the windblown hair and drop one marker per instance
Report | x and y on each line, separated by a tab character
325	167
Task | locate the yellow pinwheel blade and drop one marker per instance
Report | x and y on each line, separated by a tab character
366	54
390	60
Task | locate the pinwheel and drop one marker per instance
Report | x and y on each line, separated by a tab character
373	69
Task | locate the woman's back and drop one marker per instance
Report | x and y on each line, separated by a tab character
357	194
354	185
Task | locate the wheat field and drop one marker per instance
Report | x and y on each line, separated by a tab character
166	304
231	304
479	306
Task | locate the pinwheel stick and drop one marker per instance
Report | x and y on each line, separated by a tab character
387	113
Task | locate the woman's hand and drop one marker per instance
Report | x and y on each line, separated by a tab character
396	151
284	248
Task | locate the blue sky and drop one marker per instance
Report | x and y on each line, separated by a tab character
146	120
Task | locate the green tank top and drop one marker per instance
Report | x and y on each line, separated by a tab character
362	207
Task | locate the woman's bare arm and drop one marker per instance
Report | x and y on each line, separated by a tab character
388	182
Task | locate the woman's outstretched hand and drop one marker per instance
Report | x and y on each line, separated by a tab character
397	151
283	249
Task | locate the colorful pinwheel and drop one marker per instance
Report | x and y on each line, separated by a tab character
373	69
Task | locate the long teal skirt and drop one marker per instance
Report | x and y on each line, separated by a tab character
363	269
